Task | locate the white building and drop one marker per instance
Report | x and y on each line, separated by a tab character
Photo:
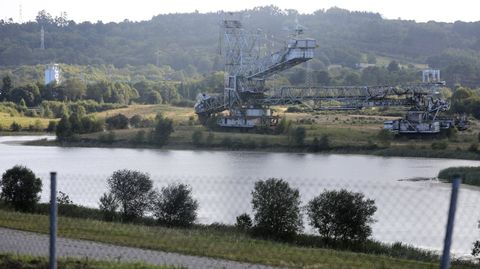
52	74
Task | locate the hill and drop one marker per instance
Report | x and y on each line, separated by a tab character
189	42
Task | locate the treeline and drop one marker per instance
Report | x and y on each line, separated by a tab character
188	42
144	91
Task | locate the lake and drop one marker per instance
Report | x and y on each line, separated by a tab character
413	212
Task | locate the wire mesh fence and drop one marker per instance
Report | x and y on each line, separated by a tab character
409	224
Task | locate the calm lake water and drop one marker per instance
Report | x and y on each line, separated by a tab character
413	212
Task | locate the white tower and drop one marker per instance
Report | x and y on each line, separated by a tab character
52	74
431	75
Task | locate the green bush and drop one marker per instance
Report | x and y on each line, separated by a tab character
439	145
118	121
469	175
244	222
197	137
163	129
15	127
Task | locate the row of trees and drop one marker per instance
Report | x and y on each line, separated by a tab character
70	126
144	91
131	194
337	215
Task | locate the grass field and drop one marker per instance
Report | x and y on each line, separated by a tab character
8	261
7	119
177	114
219	244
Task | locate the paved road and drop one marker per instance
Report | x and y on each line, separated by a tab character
19	242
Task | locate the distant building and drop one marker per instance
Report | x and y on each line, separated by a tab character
431	75
52	74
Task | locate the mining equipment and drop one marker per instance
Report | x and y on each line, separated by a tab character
247	100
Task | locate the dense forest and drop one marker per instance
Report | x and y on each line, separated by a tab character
182	49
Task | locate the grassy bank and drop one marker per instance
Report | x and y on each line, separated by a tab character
346	133
28	262
469	175
219	243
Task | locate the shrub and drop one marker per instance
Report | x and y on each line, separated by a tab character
118	121
439	145
175	206
63	199
163	129
136	121
197	137
298	136
52	126
473	147
131	191
276	208
342	215
210	138
140	137
107	138
63	129
322	144
20	188
469	175
108	205
385	137
244	222
15	127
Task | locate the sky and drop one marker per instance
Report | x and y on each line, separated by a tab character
137	10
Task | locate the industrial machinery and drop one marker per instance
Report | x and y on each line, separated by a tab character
248	100
245	73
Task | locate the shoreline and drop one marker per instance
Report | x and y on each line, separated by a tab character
393	151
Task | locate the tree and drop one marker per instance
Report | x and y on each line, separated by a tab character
136	121
6	87
74	89
21	188
52	126
393	66
342	215
283	126
132	191
319	145
163	129
64	129
298	136
276	208
76	125
175	206
118	121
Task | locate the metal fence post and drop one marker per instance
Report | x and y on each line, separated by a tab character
445	263
53	221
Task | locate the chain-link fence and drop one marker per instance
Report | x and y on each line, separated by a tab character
408	230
